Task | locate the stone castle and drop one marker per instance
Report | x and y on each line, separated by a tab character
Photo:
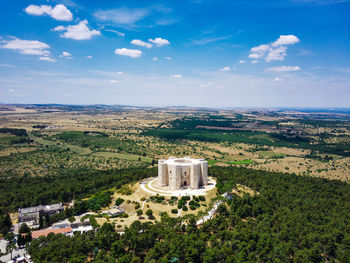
184	172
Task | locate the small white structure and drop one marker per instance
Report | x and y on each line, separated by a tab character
184	172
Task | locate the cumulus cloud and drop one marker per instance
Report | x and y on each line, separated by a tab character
133	53
254	61
284	68
114	81
159	41
78	32
286	40
28	47
141	43
59	28
241	62
59	12
88	57
65	54
277	79
274	51
225	68
155	59
168	58
176	76
47	59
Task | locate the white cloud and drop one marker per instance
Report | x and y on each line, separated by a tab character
28	47
124	16
59	28
286	40
88	57
65	54
284	68
254	61
133	53
209	40
176	76
120	73
155	59
11	90
259	51
141	43
275	51
168	58
114	81
159	41
59	12
47	59
80	31
225	68
277	79
241	62
276	54
116	32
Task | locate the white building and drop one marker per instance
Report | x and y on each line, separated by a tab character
184	172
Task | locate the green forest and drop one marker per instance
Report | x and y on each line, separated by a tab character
293	219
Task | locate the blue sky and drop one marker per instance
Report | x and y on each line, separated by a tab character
290	53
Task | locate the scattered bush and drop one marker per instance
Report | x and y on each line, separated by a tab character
119	201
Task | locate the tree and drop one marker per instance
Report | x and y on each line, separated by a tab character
47	219
20	240
24	228
119	201
139	212
41	222
149	213
5	224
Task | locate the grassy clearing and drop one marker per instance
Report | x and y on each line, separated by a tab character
240	162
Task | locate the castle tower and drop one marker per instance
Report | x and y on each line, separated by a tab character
184	172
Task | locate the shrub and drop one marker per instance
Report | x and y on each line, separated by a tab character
201	198
193	207
174	211
125	190
184	208
119	201
186	198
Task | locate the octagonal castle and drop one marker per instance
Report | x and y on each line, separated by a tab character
184	172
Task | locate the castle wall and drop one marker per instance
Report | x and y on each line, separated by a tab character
180	172
195	175
204	173
185	175
163	176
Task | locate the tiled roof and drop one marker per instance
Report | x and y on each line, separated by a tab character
45	232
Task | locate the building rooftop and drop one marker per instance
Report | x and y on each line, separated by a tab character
39	208
185	161
45	232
